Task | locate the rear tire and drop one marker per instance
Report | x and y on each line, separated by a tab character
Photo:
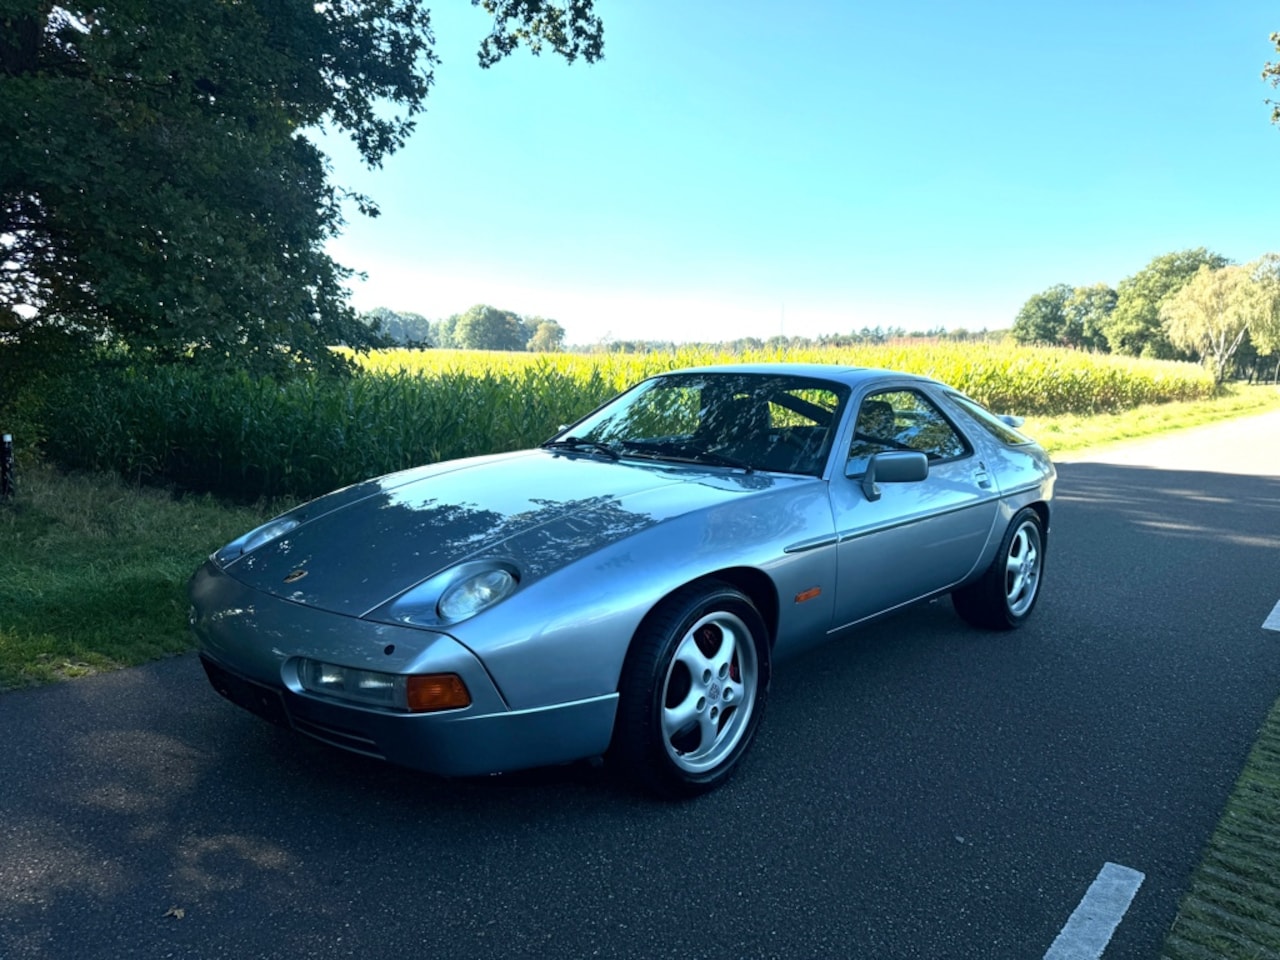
692	691
1007	592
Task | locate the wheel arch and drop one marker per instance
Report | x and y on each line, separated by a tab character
1041	507
752	582
642	745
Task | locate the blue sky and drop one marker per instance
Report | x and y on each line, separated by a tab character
746	168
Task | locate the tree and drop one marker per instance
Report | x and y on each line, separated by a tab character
548	336
1265	329
1043	318
158	187
442	332
1266	334
404	328
1134	326
1087	311
1066	316
488	328
1210	314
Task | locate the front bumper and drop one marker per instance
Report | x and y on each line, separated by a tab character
249	645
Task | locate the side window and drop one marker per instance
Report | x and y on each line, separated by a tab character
902	420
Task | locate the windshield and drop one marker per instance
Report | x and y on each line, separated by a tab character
769	422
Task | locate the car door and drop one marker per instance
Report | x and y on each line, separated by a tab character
898	542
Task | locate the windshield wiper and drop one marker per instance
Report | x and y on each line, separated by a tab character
720	460
578	445
701	456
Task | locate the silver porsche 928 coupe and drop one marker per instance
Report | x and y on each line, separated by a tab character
625	589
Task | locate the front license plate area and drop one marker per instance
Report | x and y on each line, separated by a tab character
257	698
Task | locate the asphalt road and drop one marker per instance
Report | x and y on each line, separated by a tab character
920	788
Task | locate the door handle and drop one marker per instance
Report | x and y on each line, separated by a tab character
981	476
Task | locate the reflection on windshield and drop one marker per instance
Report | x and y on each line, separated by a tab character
743	421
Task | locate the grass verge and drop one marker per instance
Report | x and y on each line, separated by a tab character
1232	911
1072	433
92	573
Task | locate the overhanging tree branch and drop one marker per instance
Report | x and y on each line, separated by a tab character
158	184
1271	73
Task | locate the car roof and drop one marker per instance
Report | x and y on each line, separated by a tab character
841	373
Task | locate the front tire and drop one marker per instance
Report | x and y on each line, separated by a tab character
692	691
1007	592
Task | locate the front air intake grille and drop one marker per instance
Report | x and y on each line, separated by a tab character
338	737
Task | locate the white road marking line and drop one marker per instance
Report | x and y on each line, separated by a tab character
1273	622
1090	927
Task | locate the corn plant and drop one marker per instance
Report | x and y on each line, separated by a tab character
250	437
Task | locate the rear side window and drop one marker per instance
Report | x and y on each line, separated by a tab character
989	421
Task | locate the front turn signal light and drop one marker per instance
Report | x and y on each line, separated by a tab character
436	691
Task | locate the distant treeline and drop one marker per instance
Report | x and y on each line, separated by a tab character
480	328
867	336
483	327
1191	305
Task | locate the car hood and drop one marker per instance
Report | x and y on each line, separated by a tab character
359	547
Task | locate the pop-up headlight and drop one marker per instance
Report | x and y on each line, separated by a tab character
255	538
469	596
454	595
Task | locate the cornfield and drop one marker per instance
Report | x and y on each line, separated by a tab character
1010	379
246	437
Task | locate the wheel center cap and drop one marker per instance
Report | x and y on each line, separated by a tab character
714	692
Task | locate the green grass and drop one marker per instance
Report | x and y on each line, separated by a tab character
92	573
1232	911
1072	433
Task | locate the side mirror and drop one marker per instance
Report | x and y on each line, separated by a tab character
894	466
